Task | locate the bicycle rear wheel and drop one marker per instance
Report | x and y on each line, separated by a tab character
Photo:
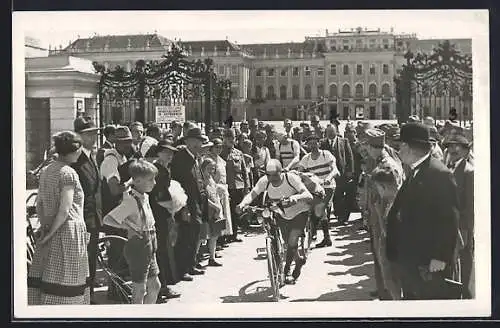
114	271
273	269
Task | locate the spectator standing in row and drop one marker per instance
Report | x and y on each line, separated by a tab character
253	126
462	167
244	127
341	149
186	170
315	124
60	268
88	174
162	204
423	222
114	181
383	183
237	178
352	190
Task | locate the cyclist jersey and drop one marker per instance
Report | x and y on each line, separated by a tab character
321	166
286	153
291	185
262	156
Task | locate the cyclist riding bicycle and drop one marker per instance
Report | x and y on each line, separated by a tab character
280	185
322	164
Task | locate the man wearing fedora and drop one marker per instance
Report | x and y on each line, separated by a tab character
422	224
186	170
88	173
463	169
113	184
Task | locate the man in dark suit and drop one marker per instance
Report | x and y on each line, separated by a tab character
422	224
462	167
186	170
88	172
342	151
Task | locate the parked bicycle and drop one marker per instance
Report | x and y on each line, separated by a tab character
117	279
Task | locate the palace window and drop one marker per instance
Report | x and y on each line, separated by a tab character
283	92
345	69
258	112
295	71
333	91
359	69
283	72
333	69
372	69
234	70
385	69
295	92
372	90
258	72
359	91
321	90
270	72
307	92
386	90
307	71
258	92
270	92
221	70
346	91
321	71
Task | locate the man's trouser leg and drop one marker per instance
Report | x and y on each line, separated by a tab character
194	239
376	263
236	196
92	255
339	201
466	265
325	219
182	248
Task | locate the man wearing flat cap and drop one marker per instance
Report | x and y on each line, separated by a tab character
462	167
88	173
382	185
423	222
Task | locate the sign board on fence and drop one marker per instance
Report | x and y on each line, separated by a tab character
167	114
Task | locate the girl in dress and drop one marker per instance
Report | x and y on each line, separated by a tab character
215	211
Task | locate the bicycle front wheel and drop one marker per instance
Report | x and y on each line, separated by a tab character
272	268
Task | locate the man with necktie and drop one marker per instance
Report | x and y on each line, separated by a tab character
462	167
422	224
88	173
341	149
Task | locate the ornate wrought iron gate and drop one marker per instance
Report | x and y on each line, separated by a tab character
133	96
435	84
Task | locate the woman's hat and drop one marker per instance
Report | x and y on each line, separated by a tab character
414	132
122	133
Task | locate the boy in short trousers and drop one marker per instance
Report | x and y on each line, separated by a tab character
134	214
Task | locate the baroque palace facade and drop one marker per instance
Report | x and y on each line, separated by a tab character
347	72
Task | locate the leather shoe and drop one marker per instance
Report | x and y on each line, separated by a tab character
186	277
217	256
374	293
298	267
325	242
214	263
169	293
237	240
198	266
196	272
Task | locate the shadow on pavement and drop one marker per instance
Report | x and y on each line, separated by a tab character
358	263
259	294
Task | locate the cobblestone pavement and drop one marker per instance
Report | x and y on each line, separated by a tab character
342	272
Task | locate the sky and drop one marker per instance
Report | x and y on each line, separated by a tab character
59	28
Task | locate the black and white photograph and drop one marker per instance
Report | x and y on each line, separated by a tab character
251	164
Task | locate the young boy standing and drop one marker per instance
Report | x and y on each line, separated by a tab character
134	214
